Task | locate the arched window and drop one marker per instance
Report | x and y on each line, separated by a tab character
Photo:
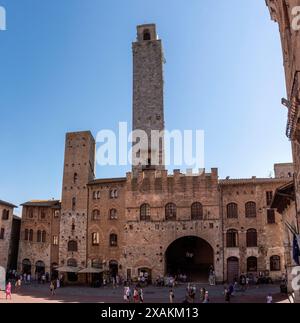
170	212
113	214
73	203
232	238
26	235
250	210
31	235
146	35
96	195
72	246
96	215
39	236
232	211
43	214
72	263
251	238
113	240
113	193
275	263
75	178
252	264
197	211
30	213
145	212
44	235
95	239
5	214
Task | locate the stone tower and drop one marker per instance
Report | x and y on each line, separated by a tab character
287	15
148	97
79	169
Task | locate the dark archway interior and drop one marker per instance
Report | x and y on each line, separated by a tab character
191	256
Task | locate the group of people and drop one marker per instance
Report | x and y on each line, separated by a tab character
137	296
191	295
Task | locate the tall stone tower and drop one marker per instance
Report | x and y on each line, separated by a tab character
79	169
148	97
286	14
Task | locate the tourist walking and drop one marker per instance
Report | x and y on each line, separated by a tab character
202	294
141	295
269	299
171	296
52	288
136	295
227	295
206	298
8	290
18	284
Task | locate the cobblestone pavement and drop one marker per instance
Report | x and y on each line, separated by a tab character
40	294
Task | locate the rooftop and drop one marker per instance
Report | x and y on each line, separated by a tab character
42	203
7	204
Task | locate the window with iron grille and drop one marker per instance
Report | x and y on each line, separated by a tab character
271	216
145	212
113	240
197	211
251	238
250	210
232	238
232	211
170	212
5	214
275	263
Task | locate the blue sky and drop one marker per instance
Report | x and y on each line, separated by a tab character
66	65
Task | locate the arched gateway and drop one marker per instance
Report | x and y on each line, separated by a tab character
191	256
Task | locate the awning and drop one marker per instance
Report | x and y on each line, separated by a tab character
91	270
68	269
283	197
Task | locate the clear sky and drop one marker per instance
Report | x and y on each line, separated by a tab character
66	65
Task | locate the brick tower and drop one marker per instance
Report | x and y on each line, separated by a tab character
148	96
79	169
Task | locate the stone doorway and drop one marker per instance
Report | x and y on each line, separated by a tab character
190	256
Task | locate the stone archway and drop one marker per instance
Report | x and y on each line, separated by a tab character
190	256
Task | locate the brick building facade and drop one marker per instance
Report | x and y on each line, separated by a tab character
151	221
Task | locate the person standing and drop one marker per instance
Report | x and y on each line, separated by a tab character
8	290
171	296
141	295
18	284
57	283
202	295
206	298
227	295
52	288
136	295
269	299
